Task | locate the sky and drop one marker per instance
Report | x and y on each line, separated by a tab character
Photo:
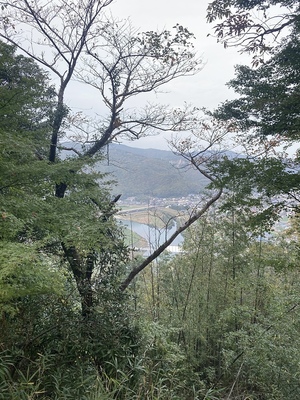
207	88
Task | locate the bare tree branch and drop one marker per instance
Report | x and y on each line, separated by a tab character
199	151
254	27
61	29
167	243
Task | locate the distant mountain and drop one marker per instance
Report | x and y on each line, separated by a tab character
150	172
142	173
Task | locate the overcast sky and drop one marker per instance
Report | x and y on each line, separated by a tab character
206	89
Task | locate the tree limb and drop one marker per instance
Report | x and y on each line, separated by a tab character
167	243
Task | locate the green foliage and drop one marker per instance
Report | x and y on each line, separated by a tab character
231	302
54	352
50	346
269	94
220	320
24	270
266	113
26	100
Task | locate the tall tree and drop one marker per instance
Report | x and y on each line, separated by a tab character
118	60
267	109
41	220
118	57
43	300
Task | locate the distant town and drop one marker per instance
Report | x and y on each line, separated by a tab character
175	202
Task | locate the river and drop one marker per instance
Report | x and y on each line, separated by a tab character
154	236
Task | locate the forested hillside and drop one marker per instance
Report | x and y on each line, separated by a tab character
85	316
148	172
144	173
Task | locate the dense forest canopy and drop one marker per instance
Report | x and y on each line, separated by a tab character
82	315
